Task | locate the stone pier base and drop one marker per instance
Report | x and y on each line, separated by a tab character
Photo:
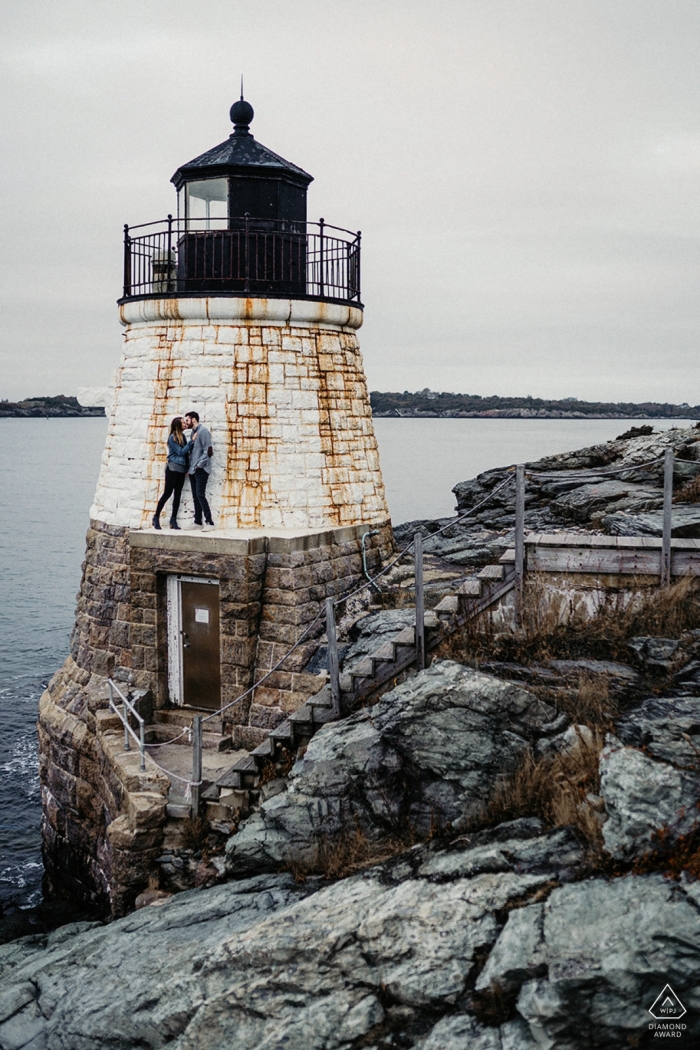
103	821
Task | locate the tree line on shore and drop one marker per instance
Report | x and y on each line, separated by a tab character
429	403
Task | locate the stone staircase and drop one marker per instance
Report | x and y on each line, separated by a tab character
240	787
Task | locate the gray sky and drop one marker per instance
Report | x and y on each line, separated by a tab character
524	173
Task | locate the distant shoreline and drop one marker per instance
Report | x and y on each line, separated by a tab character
426	404
59	407
523	415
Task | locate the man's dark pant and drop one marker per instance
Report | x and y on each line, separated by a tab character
198	481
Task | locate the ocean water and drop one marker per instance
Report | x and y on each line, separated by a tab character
48	473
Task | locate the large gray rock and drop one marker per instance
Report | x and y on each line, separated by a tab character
387	958
643	796
668	728
427	751
587	964
685	522
262	964
581	503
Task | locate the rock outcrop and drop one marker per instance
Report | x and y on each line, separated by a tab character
558	493
482	945
496	940
418	759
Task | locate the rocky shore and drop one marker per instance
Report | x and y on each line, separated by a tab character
501	852
47	408
510	937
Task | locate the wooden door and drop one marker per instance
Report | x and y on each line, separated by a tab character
201	673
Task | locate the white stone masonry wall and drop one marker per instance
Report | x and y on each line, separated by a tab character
281	387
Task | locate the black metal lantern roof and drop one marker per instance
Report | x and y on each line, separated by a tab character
239	155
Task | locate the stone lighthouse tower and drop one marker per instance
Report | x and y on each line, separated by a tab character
240	309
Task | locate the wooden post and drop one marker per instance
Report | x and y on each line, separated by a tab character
420	600
519	542
668	500
333	665
196	764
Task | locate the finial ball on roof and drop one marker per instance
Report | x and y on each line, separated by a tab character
242	112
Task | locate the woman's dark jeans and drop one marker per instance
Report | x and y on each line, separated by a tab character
173	487
198	481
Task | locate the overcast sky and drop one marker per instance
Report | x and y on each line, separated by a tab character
525	174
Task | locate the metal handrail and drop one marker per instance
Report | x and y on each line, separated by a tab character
127	705
275	258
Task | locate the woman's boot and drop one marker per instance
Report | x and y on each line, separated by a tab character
156	521
174	524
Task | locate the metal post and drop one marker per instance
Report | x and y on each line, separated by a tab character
196	763
333	666
359	291
519	542
320	256
420	600
142	745
247	251
666	538
127	745
169	255
127	261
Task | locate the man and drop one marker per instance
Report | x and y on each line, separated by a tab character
200	466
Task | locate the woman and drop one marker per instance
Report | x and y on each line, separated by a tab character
175	472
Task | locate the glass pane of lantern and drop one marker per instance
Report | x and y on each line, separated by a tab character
206	204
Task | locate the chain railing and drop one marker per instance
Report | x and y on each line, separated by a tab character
328	612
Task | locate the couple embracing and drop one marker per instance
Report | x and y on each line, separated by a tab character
188	454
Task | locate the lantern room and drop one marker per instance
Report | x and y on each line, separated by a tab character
241	229
238	177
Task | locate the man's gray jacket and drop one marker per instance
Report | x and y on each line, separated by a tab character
199	458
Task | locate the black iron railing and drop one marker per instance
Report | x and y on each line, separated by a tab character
246	256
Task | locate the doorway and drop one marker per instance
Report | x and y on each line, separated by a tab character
194	660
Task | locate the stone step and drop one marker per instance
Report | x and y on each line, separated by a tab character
322	698
322	715
386	651
363	669
448	605
107	721
282	734
304	715
182	716
266	750
491	573
177	810
470	588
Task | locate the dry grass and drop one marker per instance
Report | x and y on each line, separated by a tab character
195	833
338	856
551	630
688	493
674	855
554	788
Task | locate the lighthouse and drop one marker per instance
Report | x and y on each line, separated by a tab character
240	308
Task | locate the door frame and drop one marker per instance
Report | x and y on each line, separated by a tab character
174	620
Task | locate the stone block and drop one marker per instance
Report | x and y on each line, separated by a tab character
264	717
247	737
145	809
238	651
